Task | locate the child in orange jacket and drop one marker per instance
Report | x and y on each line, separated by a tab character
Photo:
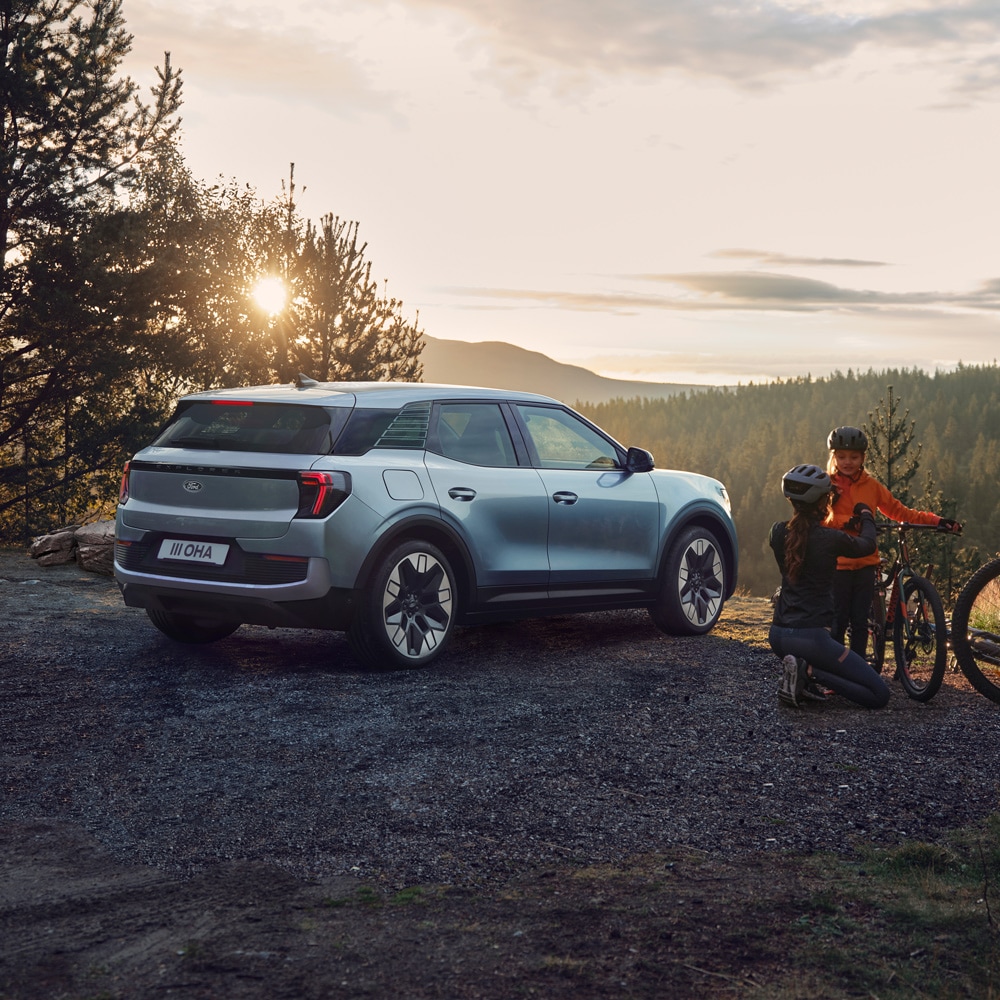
854	581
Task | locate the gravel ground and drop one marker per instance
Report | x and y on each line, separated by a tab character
588	737
529	746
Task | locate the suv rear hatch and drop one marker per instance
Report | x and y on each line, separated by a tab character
227	469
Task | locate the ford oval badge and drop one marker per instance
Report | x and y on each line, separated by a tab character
192	485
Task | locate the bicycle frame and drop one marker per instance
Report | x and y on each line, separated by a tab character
898	574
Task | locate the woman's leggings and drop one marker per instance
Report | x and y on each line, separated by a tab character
833	665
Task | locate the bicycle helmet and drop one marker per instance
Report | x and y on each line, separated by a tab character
805	484
847	439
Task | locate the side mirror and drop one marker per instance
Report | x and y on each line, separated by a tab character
639	460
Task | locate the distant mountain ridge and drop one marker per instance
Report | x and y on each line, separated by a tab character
498	365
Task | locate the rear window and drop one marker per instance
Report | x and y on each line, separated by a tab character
230	425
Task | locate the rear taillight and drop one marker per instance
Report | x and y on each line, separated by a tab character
321	493
123	488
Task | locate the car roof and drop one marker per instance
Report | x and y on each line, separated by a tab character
382	395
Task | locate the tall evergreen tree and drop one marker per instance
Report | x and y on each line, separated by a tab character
70	128
339	325
889	458
72	133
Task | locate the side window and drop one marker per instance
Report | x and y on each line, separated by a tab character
563	441
475	433
367	429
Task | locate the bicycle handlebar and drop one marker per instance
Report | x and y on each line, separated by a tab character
903	526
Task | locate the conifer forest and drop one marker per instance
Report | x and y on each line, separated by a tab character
943	434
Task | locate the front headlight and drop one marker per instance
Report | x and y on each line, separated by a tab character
724	498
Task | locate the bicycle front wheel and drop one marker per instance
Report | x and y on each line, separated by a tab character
920	638
975	630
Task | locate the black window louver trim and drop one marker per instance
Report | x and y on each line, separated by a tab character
408	428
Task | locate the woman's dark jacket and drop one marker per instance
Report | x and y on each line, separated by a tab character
808	603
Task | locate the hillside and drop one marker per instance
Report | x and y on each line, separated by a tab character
504	366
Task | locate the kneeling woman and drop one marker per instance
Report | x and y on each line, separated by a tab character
807	553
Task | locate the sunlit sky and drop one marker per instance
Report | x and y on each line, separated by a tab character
670	190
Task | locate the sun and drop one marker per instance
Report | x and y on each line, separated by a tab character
270	294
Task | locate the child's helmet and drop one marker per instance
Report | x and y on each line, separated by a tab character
805	484
847	439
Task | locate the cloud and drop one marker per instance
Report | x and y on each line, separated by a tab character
737	350
250	49
763	290
744	291
747	44
769	259
981	79
249	53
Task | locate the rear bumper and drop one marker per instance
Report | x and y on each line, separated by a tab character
304	598
331	611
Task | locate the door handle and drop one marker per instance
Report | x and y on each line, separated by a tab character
565	497
462	493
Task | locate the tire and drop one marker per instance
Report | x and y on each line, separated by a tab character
406	613
694	584
920	640
876	634
188	628
975	630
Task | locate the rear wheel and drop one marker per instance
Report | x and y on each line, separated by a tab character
190	628
876	633
921	640
406	614
975	630
693	587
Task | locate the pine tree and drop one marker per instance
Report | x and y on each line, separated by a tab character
71	129
72	133
889	438
340	325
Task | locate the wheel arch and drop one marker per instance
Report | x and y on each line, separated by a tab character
431	530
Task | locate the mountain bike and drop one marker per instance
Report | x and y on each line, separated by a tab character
907	606
975	630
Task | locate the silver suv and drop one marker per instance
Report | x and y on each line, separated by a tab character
398	511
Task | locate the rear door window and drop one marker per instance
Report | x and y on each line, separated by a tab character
475	433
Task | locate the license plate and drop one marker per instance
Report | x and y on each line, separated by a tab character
193	552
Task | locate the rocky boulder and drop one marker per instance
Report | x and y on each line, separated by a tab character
91	545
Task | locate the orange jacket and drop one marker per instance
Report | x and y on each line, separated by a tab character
864	489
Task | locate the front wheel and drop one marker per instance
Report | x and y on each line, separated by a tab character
190	628
406	614
693	587
975	630
920	637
